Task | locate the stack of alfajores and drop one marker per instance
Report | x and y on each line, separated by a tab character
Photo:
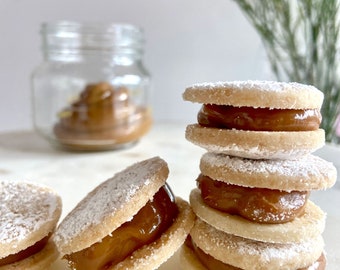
252	197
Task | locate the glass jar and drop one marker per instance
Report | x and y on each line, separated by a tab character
91	92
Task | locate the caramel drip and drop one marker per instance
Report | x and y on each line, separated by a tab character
144	228
255	204
258	119
23	254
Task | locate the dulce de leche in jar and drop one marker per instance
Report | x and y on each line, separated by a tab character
102	117
91	92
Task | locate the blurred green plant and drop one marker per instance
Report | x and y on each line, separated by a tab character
301	39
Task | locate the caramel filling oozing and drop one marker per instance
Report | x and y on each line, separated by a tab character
144	228
258	119
23	254
260	205
212	264
100	107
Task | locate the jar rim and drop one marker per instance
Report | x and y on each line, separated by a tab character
91	35
88	27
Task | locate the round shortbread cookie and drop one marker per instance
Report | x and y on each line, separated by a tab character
257	94
39	261
153	255
303	174
189	261
256	144
110	204
28	213
249	254
309	225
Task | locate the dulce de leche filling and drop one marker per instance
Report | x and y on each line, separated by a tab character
255	204
98	107
212	264
207	260
258	119
103	112
23	254
144	228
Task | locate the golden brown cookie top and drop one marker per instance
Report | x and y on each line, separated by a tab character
308	172
110	204
257	94
256	144
249	254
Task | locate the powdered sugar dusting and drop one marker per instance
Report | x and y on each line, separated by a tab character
263	94
24	208
272	255
314	266
253	152
251	85
302	167
270	252
265	250
306	114
310	171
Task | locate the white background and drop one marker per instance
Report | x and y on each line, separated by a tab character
187	41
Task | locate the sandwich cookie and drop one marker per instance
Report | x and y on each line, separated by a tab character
29	214
265	200
209	248
130	221
257	119
309	224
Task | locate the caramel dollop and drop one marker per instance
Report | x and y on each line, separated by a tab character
258	119
255	204
99	106
144	228
102	115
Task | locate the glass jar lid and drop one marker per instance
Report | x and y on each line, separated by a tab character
89	36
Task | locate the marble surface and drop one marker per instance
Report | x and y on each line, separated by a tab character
26	156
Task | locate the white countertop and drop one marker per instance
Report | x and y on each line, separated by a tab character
26	156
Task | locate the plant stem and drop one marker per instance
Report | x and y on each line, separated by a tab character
301	39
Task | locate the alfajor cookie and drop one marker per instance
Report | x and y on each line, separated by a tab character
130	221
257	119
309	224
265	200
209	248
29	214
